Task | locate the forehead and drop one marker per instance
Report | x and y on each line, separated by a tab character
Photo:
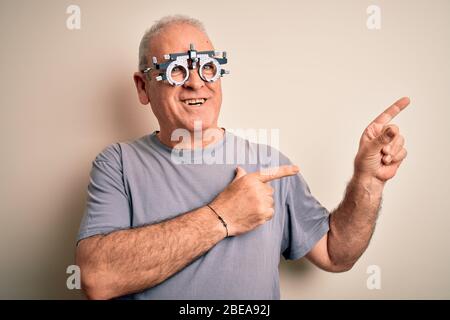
176	38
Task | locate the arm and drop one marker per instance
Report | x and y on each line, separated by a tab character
351	227
132	260
352	224
128	261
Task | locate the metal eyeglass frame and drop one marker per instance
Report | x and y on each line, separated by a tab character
189	61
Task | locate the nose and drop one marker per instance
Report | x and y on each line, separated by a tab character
194	81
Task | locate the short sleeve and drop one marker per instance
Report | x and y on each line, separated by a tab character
306	222
107	207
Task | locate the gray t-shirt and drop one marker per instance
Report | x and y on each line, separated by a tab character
141	182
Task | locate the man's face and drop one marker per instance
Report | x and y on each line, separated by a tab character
170	103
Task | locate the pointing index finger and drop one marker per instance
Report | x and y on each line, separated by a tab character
273	173
392	111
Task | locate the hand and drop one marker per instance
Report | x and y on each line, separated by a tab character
381	148
247	201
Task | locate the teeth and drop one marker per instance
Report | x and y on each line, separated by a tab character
194	101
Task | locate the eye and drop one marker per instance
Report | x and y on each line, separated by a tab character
177	69
208	66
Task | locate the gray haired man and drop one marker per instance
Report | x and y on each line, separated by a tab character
158	229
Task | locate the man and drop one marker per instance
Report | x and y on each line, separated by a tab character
156	228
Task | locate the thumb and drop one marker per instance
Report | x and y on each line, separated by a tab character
240	172
388	134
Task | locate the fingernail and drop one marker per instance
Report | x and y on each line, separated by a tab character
390	133
295	168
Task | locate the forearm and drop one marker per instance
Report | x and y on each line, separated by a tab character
353	222
132	260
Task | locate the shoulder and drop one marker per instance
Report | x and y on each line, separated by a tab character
115	152
111	154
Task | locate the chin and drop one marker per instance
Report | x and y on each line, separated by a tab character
206	121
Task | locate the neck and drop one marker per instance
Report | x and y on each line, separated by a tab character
187	139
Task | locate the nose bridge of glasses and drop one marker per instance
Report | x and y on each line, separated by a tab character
194	76
196	67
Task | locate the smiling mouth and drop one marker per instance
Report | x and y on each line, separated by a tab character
194	102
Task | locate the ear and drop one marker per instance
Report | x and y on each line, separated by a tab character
140	83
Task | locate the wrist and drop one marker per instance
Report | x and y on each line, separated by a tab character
219	217
219	225
368	181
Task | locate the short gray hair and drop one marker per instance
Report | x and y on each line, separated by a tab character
157	27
